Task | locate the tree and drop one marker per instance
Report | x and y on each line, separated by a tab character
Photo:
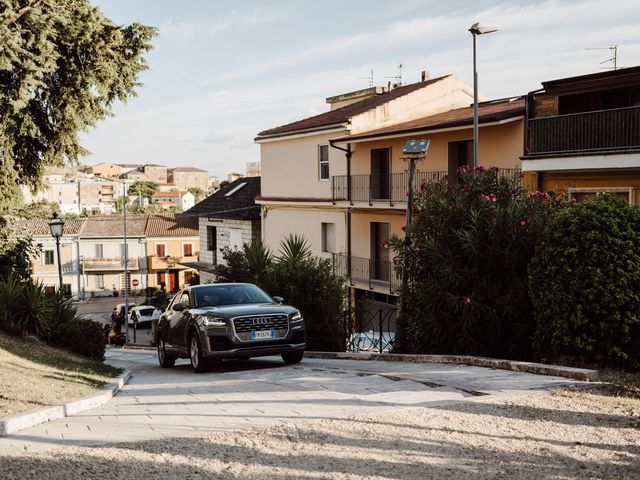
467	265
63	64
585	284
197	192
144	189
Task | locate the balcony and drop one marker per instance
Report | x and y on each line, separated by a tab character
366	273
170	262
602	131
109	264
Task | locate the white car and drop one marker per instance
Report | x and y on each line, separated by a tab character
141	316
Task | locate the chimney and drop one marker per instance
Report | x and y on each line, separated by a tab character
425	75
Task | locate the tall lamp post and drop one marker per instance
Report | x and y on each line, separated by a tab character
414	150
477	29
56	225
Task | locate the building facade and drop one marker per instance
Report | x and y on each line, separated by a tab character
187	177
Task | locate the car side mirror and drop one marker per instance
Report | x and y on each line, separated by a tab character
179	307
278	299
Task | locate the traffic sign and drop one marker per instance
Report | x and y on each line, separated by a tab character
135	282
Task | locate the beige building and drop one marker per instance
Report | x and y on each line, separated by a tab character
172	242
187	177
253	169
181	200
155	173
105	170
339	178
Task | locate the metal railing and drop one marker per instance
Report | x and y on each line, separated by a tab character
603	130
391	188
109	264
366	272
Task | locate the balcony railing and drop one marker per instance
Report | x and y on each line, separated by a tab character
391	188
109	264
600	131
366	272
164	263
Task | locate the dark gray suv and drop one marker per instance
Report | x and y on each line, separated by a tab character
228	320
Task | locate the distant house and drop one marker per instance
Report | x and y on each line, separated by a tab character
187	177
183	200
228	218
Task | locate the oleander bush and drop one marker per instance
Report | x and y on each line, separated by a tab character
472	240
585	284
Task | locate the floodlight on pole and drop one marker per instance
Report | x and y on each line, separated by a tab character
477	29
56	225
413	151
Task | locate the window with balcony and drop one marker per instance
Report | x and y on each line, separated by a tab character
328	237
49	258
460	153
187	249
380	268
99	250
161	250
323	162
380	173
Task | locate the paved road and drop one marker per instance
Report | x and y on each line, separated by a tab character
174	402
99	310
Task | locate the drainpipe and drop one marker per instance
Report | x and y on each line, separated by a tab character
348	152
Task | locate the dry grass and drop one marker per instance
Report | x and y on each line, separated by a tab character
34	375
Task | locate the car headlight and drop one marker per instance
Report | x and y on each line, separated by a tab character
206	321
297	316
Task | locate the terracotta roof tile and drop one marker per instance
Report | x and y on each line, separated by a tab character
112	226
342	115
39	227
172	225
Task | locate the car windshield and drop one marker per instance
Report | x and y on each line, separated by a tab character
146	312
219	295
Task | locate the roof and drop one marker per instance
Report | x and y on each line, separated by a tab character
488	112
171	193
239	205
188	169
112	226
343	114
172	225
39	227
594	81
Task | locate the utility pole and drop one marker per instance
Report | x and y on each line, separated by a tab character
126	261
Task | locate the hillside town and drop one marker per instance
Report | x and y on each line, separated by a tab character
426	278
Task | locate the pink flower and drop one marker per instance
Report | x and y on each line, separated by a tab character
480	169
467	301
523	222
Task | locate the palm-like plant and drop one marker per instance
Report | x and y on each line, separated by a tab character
294	248
259	258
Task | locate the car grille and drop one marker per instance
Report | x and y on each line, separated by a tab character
245	325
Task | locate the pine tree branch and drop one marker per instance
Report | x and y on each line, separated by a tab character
21	12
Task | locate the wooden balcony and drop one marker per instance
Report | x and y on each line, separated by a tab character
615	130
366	273
109	264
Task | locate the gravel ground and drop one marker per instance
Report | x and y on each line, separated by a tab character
539	436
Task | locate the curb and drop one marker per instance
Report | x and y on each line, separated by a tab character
13	423
581	374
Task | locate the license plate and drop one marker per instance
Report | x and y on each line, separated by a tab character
263	334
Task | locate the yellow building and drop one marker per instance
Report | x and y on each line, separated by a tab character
583	135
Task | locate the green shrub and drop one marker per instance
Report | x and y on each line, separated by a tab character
472	241
24	306
60	312
84	337
585	284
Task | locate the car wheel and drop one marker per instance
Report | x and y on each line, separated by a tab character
198	362
293	357
166	360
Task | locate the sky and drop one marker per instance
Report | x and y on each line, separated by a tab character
222	71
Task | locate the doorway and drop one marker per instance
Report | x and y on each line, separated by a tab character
380	267
380	173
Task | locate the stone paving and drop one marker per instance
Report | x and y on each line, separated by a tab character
160	403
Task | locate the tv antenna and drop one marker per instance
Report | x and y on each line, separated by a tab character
370	78
613	60
398	77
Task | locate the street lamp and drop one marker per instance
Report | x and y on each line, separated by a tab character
413	151
56	225
477	29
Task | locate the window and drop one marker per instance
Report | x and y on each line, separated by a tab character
99	251
323	162
49	259
582	194
460	153
187	249
160	278
235	189
188	276
99	281
211	239
161	250
328	237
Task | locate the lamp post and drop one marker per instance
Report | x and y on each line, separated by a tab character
414	150
56	225
477	29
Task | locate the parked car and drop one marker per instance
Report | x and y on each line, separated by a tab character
228	320
140	317
119	309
